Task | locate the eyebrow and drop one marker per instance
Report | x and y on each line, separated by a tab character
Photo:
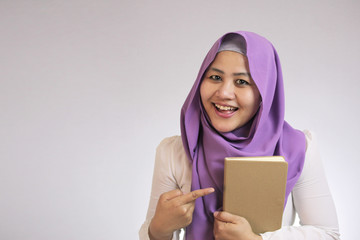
235	74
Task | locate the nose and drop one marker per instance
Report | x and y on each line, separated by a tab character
226	90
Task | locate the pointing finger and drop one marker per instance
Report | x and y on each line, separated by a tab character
192	196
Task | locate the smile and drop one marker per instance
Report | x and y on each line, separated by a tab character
225	108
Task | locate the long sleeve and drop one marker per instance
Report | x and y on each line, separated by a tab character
171	171
312	201
310	198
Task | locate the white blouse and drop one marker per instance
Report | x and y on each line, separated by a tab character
310	197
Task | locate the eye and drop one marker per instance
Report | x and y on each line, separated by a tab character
241	82
215	77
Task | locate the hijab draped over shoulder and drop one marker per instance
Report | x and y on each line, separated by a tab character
266	134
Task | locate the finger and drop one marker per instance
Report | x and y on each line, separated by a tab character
220	229
225	217
192	196
171	195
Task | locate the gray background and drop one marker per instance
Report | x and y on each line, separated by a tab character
89	88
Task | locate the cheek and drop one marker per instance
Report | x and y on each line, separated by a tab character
250	99
204	91
257	97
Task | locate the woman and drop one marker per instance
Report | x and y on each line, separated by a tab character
236	108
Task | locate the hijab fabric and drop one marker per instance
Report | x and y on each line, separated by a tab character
267	134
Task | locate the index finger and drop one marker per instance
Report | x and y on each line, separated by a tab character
192	196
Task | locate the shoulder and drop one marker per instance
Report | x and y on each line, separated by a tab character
313	161
170	145
309	135
171	155
166	149
311	142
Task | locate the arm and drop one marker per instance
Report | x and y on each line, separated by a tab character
312	201
171	204
163	181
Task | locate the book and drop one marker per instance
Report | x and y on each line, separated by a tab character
254	188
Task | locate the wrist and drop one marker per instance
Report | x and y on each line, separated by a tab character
156	233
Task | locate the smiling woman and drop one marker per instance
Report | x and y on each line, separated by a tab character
229	95
236	108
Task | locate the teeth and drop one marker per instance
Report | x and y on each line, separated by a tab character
225	108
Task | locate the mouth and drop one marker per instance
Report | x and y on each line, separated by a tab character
224	109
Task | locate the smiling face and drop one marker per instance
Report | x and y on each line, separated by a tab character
228	93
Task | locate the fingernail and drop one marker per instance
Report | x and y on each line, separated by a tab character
216	213
211	190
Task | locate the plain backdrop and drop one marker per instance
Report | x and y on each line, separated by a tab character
89	88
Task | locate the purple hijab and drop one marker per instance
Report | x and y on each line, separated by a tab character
267	133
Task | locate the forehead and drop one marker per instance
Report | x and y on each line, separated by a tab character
230	60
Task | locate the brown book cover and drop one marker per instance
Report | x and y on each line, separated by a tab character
254	188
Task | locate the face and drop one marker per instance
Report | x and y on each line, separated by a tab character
228	93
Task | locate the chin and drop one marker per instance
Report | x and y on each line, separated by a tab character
224	129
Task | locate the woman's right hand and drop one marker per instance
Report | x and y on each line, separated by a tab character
174	210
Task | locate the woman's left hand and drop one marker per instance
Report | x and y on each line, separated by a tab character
228	226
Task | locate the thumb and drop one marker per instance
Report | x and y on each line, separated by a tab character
225	217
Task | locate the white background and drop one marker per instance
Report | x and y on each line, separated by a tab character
89	88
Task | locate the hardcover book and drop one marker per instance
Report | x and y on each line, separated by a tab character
254	188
